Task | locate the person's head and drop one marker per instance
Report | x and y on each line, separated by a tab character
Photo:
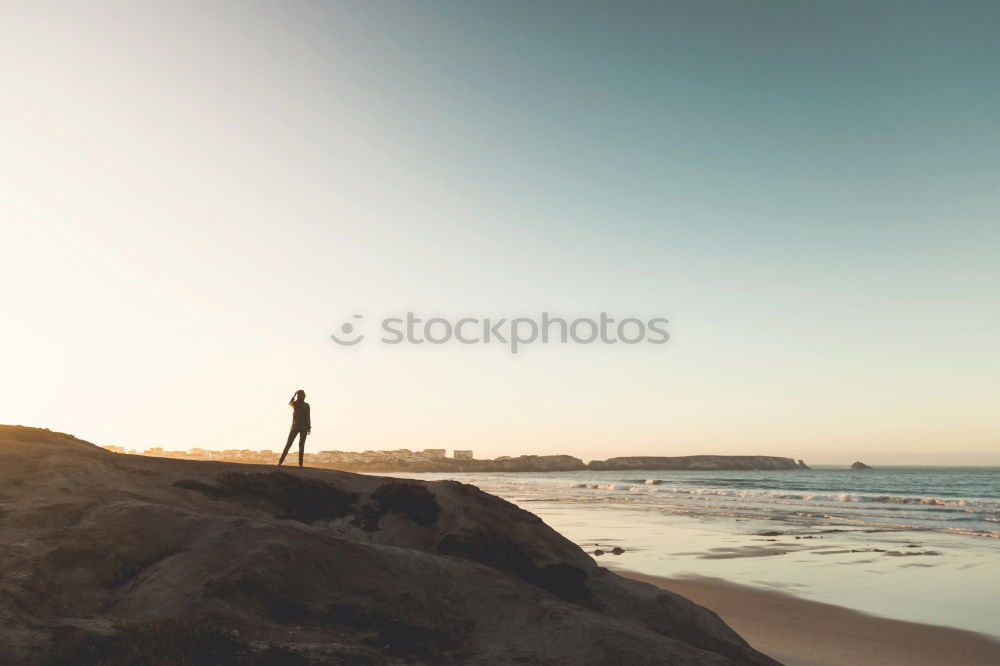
300	395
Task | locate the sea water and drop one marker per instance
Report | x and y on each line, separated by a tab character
912	543
961	500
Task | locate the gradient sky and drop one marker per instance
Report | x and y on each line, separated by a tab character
194	195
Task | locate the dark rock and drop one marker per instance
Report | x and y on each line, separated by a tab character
487	547
318	566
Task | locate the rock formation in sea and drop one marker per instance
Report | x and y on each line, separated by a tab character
859	465
564	463
116	559
697	463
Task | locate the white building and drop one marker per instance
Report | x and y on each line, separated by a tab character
463	454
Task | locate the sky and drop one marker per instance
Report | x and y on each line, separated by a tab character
194	196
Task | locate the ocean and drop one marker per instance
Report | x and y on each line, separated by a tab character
960	500
910	543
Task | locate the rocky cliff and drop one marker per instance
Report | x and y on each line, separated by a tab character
113	559
698	463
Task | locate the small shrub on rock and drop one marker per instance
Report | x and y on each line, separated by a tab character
127	563
410	499
299	498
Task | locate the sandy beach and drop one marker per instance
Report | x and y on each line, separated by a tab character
800	632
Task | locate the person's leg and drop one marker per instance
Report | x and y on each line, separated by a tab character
288	445
302	445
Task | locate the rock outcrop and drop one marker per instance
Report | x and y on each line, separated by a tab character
116	559
859	465
697	463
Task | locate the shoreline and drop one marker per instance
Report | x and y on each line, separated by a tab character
801	632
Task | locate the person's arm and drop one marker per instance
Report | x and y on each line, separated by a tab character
291	403
309	423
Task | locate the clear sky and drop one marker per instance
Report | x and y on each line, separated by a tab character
194	195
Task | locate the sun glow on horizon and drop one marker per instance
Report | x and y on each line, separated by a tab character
196	196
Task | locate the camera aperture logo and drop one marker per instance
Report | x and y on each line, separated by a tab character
514	333
348	334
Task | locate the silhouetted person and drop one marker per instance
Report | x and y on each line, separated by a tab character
301	424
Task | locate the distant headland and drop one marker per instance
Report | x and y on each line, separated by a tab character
436	460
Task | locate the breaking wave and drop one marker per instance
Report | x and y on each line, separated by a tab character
954	500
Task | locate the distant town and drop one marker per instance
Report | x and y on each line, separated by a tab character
322	458
461	460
